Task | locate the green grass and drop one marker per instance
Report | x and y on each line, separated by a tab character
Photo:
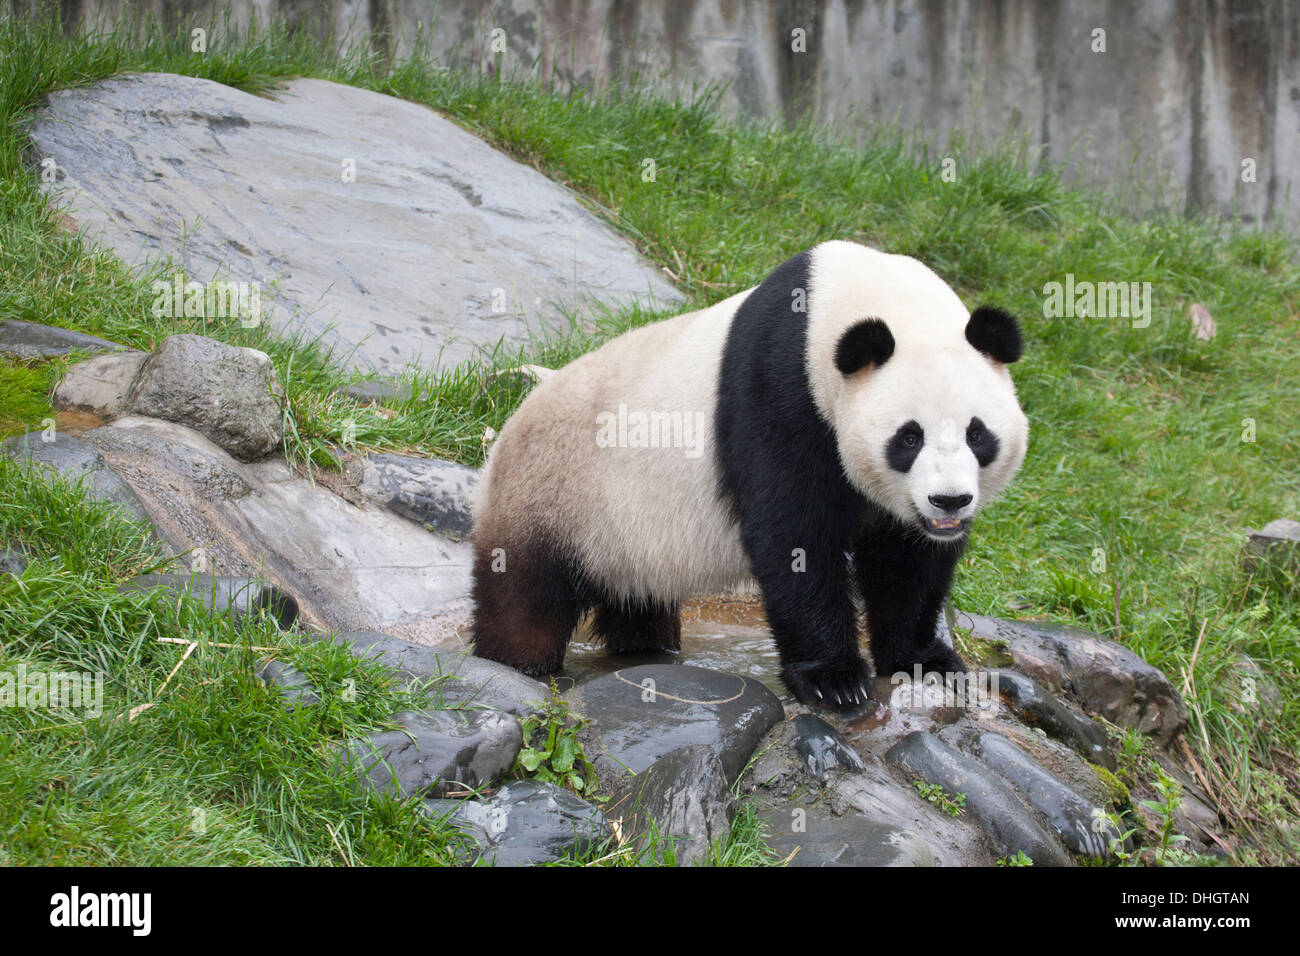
1136	456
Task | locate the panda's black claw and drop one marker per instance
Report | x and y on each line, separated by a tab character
818	684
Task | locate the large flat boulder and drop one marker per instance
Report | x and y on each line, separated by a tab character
437	245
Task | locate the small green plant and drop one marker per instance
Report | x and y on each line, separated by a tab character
1119	841
952	804
552	752
1171	796
1018	860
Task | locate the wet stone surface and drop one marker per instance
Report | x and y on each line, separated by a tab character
1040	709
637	715
525	822
815	837
296	689
75	460
31	340
684	796
990	801
439	751
1076	821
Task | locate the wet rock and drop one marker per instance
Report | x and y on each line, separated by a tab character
227	393
637	715
822	747
526	822
684	796
1103	676
31	340
101	384
75	460
990	802
1079	824
440	751
376	391
814	837
295	687
1040	709
1278	542
462	679
877	794
141	158
428	491
237	596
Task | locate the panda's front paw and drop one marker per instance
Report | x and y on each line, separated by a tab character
935	658
839	684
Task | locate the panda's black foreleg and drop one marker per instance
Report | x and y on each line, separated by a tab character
805	587
903	578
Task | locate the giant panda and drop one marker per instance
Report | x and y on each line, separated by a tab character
847	405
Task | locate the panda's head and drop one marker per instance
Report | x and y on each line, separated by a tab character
929	428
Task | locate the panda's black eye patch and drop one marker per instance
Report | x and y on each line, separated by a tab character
983	443
904	446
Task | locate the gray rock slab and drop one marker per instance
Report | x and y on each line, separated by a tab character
1076	822
440	751
684	797
1105	677
429	491
101	384
990	802
822	747
77	460
227	393
375	223
637	715
350	566
31	340
814	837
466	680
526	822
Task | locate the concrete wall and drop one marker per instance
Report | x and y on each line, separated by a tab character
1190	87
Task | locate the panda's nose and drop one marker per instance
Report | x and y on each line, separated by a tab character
950	502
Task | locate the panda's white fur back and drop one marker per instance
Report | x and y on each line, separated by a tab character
647	521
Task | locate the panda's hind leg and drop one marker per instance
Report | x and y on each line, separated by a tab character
527	602
638	625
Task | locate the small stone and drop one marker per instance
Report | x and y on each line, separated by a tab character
227	393
13	560
639	714
526	822
1203	325
295	687
1278	542
101	384
440	751
684	796
990	802
822	747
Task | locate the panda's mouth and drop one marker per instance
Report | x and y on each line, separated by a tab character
945	527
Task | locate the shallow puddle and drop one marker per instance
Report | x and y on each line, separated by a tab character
722	634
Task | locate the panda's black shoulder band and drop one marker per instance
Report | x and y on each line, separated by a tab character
868	342
995	333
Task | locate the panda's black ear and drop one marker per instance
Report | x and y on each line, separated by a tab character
869	342
995	333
